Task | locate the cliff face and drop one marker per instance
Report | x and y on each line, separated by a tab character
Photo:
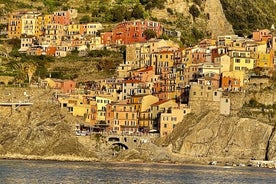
248	132
211	21
38	130
217	22
216	137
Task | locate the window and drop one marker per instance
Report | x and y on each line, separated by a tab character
237	61
226	100
215	93
165	125
247	61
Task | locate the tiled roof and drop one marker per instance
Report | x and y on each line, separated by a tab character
160	102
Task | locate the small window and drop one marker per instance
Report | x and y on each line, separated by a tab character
226	100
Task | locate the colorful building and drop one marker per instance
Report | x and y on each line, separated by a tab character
170	118
62	17
128	32
15	25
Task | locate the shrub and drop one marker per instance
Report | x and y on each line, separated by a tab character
194	11
170	11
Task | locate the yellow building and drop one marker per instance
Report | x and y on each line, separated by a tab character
53	34
29	23
142	104
162	61
159	107
241	60
264	60
101	107
73	31
15	25
93	28
95	43
41	22
188	57
226	40
236	75
170	118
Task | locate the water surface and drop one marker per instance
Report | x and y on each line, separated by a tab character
22	171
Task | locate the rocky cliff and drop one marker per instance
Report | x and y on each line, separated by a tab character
248	132
44	131
217	24
210	136
40	130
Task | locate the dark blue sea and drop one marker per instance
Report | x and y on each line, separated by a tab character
22	171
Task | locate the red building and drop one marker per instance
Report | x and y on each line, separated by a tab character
128	32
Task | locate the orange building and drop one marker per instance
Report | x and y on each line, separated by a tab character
143	74
230	83
262	34
15	25
125	118
50	51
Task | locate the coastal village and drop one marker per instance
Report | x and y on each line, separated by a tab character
157	83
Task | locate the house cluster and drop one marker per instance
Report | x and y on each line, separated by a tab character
159	83
57	35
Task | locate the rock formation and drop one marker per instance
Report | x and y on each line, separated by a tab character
217	22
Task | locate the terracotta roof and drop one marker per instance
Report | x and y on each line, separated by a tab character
160	102
146	69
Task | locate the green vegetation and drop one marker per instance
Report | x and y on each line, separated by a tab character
253	103
149	34
247	15
85	19
150	4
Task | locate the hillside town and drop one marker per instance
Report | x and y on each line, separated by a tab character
158	83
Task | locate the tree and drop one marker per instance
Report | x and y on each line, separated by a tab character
119	13
20	76
30	69
85	19
148	33
138	12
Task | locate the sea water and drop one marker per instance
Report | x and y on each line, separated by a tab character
22	171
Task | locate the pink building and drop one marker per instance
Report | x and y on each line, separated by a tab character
144	74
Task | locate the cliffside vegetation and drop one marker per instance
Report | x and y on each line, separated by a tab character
248	15
81	66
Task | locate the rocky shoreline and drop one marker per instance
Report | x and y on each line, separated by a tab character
71	158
